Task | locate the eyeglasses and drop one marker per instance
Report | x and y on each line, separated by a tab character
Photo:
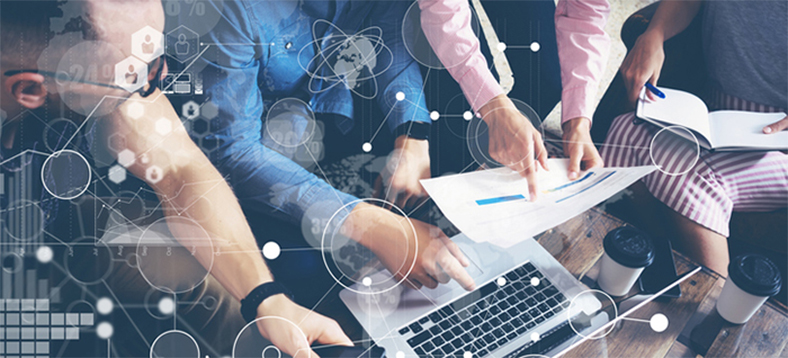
64	77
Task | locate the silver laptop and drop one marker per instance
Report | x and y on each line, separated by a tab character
525	302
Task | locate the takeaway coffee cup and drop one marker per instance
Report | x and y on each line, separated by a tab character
627	252
752	279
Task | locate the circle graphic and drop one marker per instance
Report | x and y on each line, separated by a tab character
174	344
249	343
171	265
12	262
88	260
478	139
672	152
44	254
66	174
658	322
289	123
104	330
104	306
271	250
23	220
336	239
591	302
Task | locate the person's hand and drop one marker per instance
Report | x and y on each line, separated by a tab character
643	64
398	182
583	155
775	127
291	340
390	237
514	142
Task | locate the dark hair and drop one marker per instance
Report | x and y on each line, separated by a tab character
27	26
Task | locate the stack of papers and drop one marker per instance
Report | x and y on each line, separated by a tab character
494	206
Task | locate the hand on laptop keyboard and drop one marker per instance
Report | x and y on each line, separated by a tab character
438	259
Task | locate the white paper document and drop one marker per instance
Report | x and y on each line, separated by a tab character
493	205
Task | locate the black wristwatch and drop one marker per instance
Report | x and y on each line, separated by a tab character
258	295
415	130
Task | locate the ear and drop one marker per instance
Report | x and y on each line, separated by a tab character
27	89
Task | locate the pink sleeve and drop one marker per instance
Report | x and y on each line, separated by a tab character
583	46
447	26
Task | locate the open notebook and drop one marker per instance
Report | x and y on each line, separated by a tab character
718	130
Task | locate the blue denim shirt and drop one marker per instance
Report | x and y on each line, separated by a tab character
260	51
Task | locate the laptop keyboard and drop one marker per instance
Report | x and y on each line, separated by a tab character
487	318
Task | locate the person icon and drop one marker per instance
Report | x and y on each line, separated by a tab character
147	46
131	76
182	46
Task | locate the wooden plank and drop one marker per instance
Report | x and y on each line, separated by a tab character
762	336
679	350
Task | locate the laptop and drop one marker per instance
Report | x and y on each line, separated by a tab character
525	302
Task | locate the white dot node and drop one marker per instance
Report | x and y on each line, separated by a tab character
535	336
467	115
104	330
166	306
501	46
366	147
501	281
366	281
400	354
104	306
434	115
658	322
271	250
535	281
400	96
535	46
467	355
44	254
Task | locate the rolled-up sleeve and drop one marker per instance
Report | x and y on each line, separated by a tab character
447	26
262	179
583	47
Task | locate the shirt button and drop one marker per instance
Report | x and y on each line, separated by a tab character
288	45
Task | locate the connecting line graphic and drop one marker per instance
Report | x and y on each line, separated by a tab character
421	93
320	300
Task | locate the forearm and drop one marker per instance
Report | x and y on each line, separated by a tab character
672	17
199	192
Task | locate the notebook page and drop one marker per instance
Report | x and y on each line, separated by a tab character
740	129
678	108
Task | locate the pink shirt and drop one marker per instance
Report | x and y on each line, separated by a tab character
583	45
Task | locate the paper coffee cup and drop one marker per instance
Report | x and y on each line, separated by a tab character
627	252
752	279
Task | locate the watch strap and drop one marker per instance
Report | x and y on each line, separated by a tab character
258	295
413	129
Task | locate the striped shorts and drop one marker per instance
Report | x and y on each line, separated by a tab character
704	186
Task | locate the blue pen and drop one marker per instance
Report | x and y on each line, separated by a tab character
654	90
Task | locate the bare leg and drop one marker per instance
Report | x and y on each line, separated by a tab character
702	245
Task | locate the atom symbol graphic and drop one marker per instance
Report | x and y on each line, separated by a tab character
347	59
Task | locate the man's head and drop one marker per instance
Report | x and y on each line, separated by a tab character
57	52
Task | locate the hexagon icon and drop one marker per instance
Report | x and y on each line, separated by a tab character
153	174
117	174
135	110
147	44
209	110
163	126
191	110
126	158
182	43
116	142
131	74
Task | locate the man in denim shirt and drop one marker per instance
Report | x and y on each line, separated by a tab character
263	51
